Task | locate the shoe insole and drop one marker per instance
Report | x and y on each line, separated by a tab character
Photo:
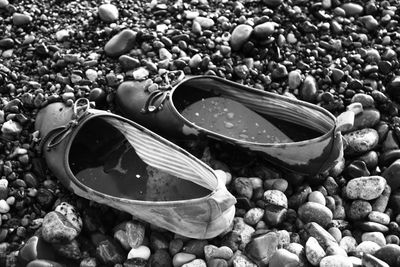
232	119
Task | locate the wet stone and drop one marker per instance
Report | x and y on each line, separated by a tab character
265	29
373	226
263	247
20	19
366	188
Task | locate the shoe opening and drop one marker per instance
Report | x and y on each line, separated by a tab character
233	111
117	159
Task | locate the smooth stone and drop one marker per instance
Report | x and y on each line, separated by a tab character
253	216
275	197
11	128
122	238
110	253
388	157
142	252
352	9
44	263
367	247
181	258
359	210
315	212
262	248
283	257
368	118
274	215
56	228
294	79
356	169
195	263
356	107
308	90
128	63
240	35
366	101
71	214
20	19
369	260
108	13
324	238
388	254
373	226
195	61
299	197
4	206
361	141
345	121
370	23
335	261
376	237
393	87
390	142
160	258
391	174
204	22
4	3
120	43
265	29
317	197
336	233
214	252
36	248
217	263
370	158
366	188
314	252
275	184
6	43
348	243
379	217
273	3
380	204
243	187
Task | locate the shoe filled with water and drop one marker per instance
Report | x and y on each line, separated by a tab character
113	161
295	135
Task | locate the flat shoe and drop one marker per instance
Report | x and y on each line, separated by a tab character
314	144
111	160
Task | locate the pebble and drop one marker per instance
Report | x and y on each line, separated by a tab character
195	263
352	9
108	13
336	233
253	216
142	252
317	197
366	100
262	248
70	214
109	253
4	3
368	118
120	43
359	210
388	254
213	252
56	228
391	175
242	229
217	263
315	212
43	263
361	141
308	90
265	29
314	252
181	258
274	215
294	79
135	232
366	188
373	226
20	19
369	260
348	243
376	237
379	217
272	3
283	257
324	238
241	260
36	248
243	187
4	207
11	128
160	258
204	22
367	247
335	261
62	34
140	74
69	250
275	197
370	23
240	35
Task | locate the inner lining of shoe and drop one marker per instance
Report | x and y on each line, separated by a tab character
102	158
297	122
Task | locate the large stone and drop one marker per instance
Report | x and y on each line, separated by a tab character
361	141
57	229
314	252
335	261
120	43
240	35
262	248
352	9
388	254
71	214
366	188
108	13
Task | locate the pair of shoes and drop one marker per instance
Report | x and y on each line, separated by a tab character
292	134
114	161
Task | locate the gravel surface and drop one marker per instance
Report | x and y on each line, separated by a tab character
341	55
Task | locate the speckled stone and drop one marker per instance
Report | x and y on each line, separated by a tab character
56	228
361	141
335	261
366	188
368	247
314	252
315	212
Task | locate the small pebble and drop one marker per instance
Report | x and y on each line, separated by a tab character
240	35
108	13
142	252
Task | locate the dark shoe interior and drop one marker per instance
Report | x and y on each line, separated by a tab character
197	89
101	158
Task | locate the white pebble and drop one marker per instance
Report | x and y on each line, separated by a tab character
142	252
4	207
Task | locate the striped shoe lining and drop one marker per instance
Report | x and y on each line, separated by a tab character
163	157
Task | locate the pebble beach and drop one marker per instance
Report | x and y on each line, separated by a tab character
341	55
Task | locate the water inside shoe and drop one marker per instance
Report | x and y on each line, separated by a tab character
102	158
232	119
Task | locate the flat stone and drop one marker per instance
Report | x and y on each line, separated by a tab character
366	188
120	43
240	35
373	226
315	212
361	141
